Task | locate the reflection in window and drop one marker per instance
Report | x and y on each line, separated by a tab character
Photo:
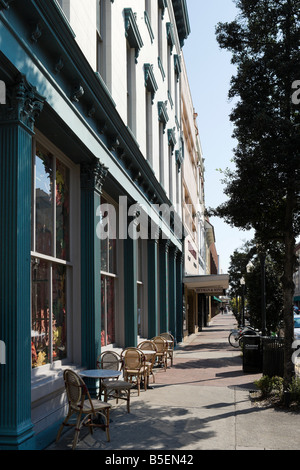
48	332
44	203
59	312
52	211
108	284
51	237
107	310
140	287
62	210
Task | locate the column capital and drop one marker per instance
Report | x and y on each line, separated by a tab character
93	175
23	103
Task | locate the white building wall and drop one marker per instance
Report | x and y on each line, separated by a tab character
193	183
83	22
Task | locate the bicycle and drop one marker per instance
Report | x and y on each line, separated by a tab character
235	338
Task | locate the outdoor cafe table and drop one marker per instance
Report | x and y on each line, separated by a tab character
100	374
148	352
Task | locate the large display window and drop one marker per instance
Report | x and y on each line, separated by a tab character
108	285
50	256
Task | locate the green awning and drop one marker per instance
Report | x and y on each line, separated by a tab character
218	300
297	298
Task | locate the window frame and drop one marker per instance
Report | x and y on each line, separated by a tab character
51	260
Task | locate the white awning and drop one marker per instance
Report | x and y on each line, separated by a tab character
209	284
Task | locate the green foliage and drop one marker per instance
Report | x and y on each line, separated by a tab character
274	386
294	389
270	385
264	42
263	192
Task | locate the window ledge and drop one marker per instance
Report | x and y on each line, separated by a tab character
46	381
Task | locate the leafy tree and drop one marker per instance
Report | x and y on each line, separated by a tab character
263	190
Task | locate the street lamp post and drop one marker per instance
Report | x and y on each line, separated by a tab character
262	258
242	282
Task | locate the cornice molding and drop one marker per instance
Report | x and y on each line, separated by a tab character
177	66
182	19
172	138
162	4
150	82
162	113
170	35
132	32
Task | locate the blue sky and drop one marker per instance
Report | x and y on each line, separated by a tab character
209	71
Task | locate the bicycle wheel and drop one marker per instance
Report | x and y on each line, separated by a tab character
233	339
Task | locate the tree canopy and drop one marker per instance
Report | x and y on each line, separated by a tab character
263	189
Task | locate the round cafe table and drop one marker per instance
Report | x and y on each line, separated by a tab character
100	374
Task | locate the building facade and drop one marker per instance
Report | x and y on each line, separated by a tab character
201	272
91	215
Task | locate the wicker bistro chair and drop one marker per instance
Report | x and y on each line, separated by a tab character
114	388
149	345
83	405
171	342
134	368
161	354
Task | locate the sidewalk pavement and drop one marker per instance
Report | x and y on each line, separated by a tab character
201	403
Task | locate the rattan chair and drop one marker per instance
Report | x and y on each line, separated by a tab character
149	345
114	388
84	406
161	354
134	368
171	342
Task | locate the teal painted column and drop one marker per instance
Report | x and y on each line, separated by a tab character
172	290
130	292
92	178
179	297
17	119
152	246
163	285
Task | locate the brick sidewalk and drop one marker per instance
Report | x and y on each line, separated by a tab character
208	359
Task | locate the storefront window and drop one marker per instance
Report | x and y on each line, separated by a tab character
51	229
108	286
44	222
51	209
62	210
140	288
48	333
107	310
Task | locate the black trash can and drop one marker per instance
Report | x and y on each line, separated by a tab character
273	356
252	354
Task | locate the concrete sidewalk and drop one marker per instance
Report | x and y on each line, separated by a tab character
201	403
